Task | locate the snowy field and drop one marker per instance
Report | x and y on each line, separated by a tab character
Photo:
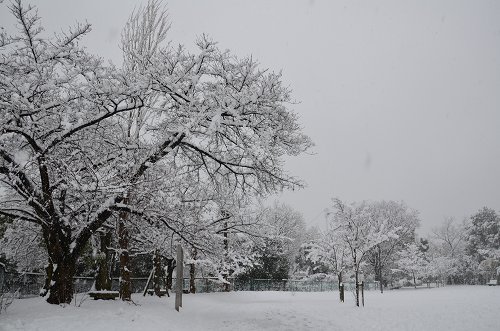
449	308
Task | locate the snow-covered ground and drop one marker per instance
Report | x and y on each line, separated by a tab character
449	308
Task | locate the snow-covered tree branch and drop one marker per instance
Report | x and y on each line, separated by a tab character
78	137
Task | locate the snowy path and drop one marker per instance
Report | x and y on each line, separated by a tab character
450	308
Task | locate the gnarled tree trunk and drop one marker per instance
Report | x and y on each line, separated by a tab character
49	270
60	275
61	287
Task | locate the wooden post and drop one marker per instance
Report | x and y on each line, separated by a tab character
180	277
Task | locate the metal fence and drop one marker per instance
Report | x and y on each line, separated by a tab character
29	284
26	284
294	285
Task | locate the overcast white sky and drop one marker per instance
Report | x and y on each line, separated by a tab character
402	98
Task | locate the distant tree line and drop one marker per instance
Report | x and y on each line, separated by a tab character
379	241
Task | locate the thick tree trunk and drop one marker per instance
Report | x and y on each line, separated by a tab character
49	270
378	268
380	279
170	271
341	287
158	274
103	280
58	243
123	239
61	288
192	273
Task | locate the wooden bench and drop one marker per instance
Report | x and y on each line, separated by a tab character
104	295
162	292
492	282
